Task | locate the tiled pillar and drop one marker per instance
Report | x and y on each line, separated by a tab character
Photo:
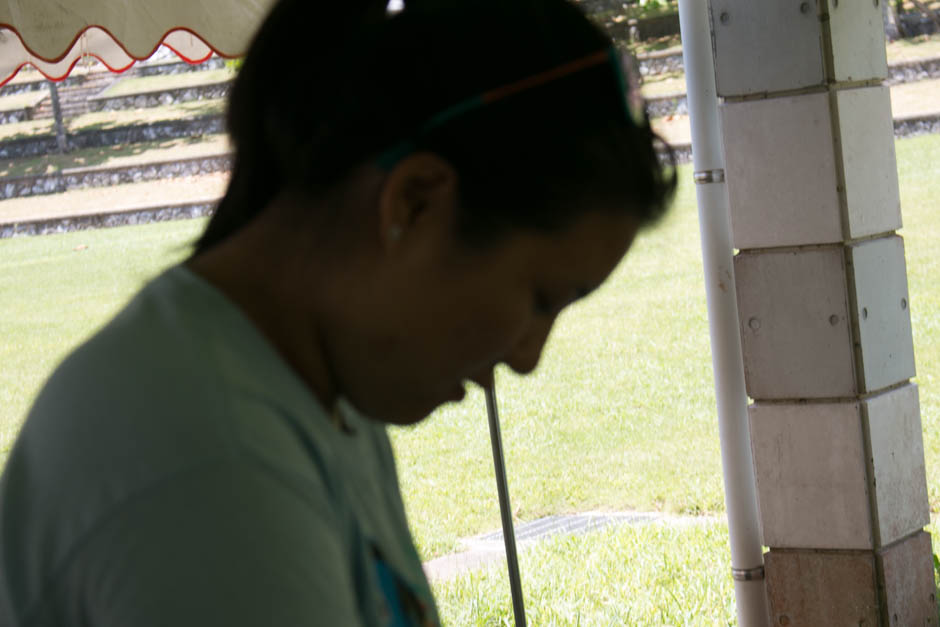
824	310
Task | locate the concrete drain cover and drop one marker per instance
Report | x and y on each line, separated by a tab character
575	524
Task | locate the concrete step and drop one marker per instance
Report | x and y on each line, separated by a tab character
74	99
92	208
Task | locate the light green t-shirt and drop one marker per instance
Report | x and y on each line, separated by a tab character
175	471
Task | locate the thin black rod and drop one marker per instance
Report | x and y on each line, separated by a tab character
505	511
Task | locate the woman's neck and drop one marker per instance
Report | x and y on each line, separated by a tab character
257	270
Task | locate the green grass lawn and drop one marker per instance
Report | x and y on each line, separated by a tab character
650	574
28	128
57	290
631	576
22	101
919	172
619	415
148	84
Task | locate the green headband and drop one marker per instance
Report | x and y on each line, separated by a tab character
624	68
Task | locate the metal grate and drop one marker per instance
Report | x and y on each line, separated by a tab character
572	524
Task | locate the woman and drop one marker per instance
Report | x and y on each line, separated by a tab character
412	203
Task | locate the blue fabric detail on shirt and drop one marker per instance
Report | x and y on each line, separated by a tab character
389	584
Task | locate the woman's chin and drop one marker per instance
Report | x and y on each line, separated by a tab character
409	413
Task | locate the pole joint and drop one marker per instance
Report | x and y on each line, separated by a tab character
703	177
748	574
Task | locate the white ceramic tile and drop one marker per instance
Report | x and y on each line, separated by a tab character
815	589
882	309
871	170
781	172
897	451
809	460
858	39
909	587
794	324
765	45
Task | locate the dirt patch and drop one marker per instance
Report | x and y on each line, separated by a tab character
920	98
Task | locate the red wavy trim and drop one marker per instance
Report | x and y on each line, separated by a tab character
193	61
58	79
118	42
134	59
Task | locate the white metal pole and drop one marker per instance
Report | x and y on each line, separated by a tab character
727	362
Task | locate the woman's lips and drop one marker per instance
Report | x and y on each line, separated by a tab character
458	393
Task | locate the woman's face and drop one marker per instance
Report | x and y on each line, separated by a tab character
434	314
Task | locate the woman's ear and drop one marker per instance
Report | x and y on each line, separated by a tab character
419	195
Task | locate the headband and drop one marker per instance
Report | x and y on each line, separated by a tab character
623	66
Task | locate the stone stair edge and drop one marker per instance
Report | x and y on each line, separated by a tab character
34	146
161	212
100	169
151	92
105	176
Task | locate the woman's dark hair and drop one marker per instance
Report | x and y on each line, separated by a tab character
328	86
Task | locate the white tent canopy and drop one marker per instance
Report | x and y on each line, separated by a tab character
53	37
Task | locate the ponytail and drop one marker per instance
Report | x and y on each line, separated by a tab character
294	46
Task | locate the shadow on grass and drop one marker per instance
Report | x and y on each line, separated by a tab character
102	121
89	157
